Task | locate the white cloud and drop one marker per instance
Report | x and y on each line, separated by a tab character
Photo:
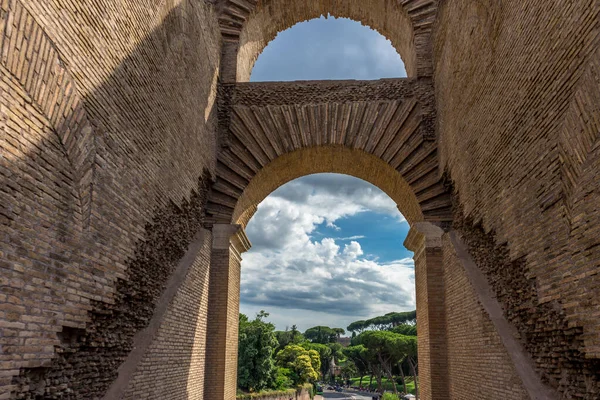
288	269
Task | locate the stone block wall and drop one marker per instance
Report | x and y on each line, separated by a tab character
107	149
517	95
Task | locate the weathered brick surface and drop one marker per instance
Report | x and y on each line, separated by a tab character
109	138
556	347
229	243
392	120
173	365
478	364
516	88
106	147
248	26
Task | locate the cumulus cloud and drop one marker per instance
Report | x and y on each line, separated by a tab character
288	269
290	214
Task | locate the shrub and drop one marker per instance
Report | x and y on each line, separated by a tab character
283	379
389	396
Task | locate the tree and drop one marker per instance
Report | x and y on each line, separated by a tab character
257	344
357	354
411	356
357	326
324	352
349	370
380	345
303	364
295	333
389	348
288	337
405	329
323	334
384	322
339	332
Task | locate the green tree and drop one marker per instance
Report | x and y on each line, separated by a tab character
405	329
384	322
388	348
257	344
349	370
288	337
358	355
323	334
339	332
324	352
357	326
303	364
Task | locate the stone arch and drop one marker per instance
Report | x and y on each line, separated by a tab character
247	27
387	125
332	159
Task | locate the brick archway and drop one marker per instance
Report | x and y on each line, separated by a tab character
327	159
379	131
390	120
248	26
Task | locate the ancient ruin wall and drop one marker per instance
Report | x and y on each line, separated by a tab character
517	95
173	365
478	364
108	147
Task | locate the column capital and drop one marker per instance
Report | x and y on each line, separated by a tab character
423	235
230	236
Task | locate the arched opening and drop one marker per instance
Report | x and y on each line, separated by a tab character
230	241
327	159
328	48
327	252
387	17
379	131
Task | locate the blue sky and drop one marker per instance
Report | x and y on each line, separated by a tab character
327	248
328	48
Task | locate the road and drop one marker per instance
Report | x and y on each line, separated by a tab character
328	394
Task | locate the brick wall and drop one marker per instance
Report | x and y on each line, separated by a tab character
478	364
107	147
173	365
516	87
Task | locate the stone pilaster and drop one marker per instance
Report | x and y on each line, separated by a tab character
229	242
425	240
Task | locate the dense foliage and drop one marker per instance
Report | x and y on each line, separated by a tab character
291	336
386	321
257	344
383	348
301	364
323	334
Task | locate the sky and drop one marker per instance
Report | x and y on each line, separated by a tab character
328	48
327	249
